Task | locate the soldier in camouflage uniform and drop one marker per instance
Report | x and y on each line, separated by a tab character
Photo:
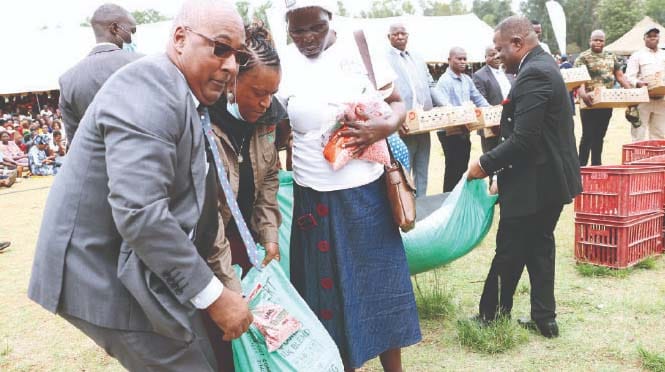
605	70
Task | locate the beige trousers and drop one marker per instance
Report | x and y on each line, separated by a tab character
652	116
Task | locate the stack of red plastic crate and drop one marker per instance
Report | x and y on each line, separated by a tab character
619	215
642	150
655	161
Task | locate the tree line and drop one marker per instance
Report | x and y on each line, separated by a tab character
615	17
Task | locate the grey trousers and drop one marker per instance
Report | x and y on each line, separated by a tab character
419	148
149	351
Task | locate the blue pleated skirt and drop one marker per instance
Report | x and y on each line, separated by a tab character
348	263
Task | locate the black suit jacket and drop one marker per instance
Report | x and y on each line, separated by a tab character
80	84
488	86
537	161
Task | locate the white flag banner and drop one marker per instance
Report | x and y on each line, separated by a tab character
558	20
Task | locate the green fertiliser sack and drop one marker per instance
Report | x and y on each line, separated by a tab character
285	334
457	226
452	230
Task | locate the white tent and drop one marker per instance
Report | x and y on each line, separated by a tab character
40	57
633	40
431	37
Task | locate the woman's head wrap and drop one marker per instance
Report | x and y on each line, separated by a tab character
41	139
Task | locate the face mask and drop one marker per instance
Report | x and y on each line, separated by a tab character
130	47
234	110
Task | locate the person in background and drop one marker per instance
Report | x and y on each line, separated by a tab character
56	146
18	141
25	124
46	111
538	29
347	256
57	125
494	84
604	70
244	129
8	176
11	152
9	170
413	83
113	27
456	88
45	130
41	164
645	62
564	65
538	172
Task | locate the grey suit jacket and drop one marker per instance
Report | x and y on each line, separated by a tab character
114	247
80	83
488	86
423	79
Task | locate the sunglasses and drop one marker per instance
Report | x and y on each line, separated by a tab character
222	50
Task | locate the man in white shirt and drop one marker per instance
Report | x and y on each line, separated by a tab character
644	63
493	84
538	28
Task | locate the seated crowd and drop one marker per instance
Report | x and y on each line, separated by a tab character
31	145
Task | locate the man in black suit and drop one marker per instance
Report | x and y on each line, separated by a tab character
494	84
538	172
113	27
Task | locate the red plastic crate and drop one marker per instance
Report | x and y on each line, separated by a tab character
621	190
654	161
658	160
642	150
618	242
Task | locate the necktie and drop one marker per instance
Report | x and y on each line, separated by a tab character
412	75
245	235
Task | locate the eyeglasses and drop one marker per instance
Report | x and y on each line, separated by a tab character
222	50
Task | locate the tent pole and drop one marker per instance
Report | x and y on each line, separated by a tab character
39	107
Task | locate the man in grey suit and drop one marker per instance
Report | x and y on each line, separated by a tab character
494	84
120	254
113	27
413	83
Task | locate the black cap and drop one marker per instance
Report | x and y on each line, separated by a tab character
652	29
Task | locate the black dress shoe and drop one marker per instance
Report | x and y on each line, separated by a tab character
4	245
547	328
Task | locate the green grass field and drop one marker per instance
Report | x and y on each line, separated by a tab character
609	321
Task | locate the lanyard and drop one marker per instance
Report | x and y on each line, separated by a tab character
231	201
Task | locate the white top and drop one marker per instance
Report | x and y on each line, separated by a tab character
645	62
312	91
501	78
